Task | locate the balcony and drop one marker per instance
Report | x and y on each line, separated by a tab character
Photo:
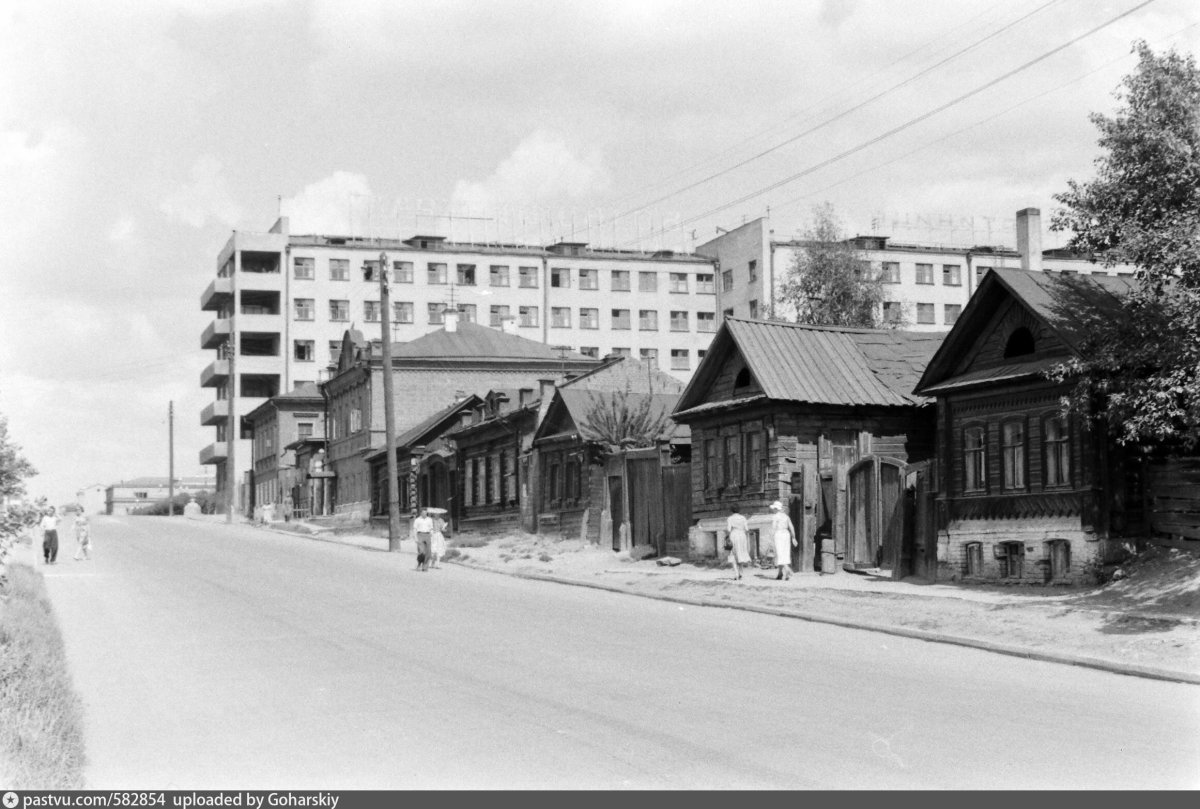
215	374
214	413
215	333
214	453
219	292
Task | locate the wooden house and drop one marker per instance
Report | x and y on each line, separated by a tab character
822	419
1024	492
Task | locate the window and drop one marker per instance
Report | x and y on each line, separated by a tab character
733	470
335	351
712	464
560	317
704	283
647	282
402	312
402	272
527	277
951	275
304	308
756	458
679	282
435	273
560	277
589	279
649	355
620	318
753	310
753	269
339	310
304	429
339	269
1012	559
700	352
890	273
979	273
743	379
950	313
370	271
498	275
304	350
1057	451
893	311
620	280
727	281
1020	343
974	457
371	311
590	351
727	312
466	312
437	313
706	322
925	313
679	321
621	351
528	315
304	269
862	268
973	558
1013	453
679	359
498	314
589	318
647	320
466	275
924	273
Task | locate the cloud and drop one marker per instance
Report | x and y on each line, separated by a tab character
336	204
541	169
205	197
122	230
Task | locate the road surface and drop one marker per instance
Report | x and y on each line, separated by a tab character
212	656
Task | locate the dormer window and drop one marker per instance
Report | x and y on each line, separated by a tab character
1020	343
743	379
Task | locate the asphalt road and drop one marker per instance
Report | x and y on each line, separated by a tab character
211	656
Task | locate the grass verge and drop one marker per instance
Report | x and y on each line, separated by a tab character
41	717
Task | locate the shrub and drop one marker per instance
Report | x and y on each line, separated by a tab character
208	502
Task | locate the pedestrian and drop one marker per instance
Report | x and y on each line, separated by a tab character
784	535
49	526
737	541
423	528
83	535
437	543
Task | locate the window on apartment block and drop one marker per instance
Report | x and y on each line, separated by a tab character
974	459
647	320
466	313
890	272
679	321
370	271
560	277
305	308
589	318
926	313
402	272
528	315
335	351
700	352
620	318
893	311
924	273
498	275
622	351
979	273
706	322
862	268
465	275
727	312
950	313
372	312
620	281
680	359
436	273
560	317
647	282
1056	449
339	269
339	310
437	313
756	458
649	356
304	268
590	351
727	281
589	279
951	275
704	283
304	350
497	315
402	312
527	277
678	282
752	269
754	310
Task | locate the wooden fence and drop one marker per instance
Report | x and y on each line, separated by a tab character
1174	495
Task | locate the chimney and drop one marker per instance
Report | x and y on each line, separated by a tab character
1029	238
450	316
508	325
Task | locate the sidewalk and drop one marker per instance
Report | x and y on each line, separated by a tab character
1147	625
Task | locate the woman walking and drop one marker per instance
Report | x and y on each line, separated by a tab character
83	535
784	535
737	542
437	543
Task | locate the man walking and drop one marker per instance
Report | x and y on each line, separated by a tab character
423	528
49	526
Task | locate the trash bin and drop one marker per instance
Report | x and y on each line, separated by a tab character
828	557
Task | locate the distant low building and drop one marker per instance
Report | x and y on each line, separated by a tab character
129	495
93	498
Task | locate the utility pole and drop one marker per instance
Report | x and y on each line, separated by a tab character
231	430
171	462
389	416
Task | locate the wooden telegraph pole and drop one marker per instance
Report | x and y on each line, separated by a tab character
389	416
171	460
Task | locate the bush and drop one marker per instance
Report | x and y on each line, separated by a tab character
467	541
208	502
41	717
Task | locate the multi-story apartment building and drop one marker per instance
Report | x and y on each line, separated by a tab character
926	286
282	303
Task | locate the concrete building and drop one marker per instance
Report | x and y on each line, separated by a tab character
129	495
282	302
927	285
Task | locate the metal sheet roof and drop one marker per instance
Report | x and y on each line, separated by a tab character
475	342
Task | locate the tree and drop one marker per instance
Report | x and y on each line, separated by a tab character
1140	373
829	282
14	469
616	423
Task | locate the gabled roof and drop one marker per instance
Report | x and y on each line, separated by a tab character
823	365
625	373
431	427
574	406
470	341
303	390
1056	300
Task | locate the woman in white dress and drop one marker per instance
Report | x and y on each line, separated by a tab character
738	541
437	544
784	536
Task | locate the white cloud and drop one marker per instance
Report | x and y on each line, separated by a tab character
336	204
542	168
122	230
205	197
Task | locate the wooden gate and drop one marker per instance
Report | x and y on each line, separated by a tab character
917	549
874	512
676	508
616	507
645	501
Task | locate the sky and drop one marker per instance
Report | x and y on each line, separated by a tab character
136	135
